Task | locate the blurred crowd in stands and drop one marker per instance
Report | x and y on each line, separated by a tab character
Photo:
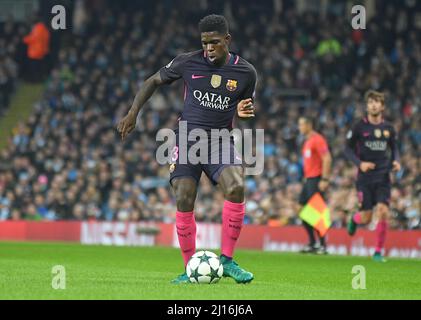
67	161
10	48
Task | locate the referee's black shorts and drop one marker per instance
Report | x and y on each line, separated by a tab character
310	187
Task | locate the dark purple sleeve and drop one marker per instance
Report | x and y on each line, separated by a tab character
173	70
394	146
249	92
350	146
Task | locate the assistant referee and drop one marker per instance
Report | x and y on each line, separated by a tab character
317	165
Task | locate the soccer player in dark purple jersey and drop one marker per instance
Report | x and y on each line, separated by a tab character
371	146
218	84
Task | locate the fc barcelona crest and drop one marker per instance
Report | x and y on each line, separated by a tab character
231	85
378	133
216	80
386	133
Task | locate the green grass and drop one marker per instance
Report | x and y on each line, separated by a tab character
103	272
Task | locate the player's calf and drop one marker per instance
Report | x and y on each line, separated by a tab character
382	211
366	217
381	230
359	218
185	190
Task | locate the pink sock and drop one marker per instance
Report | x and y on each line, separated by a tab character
357	218
186	232
232	221
381	230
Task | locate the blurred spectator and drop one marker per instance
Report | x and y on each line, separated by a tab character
38	42
9	60
67	162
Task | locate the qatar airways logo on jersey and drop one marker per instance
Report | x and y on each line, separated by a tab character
211	100
376	145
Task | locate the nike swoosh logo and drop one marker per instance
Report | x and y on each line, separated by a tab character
194	76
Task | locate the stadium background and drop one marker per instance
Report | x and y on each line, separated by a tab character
65	161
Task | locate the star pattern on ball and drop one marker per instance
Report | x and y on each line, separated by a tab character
204	258
214	274
195	274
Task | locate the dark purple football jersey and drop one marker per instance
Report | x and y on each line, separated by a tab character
211	93
372	143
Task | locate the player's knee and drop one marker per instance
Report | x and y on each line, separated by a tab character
185	205
366	217
184	201
382	211
235	192
185	195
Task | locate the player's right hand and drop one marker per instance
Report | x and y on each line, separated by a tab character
126	125
245	108
366	166
396	166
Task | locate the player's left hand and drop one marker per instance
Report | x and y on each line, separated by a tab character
396	166
245	108
323	185
126	125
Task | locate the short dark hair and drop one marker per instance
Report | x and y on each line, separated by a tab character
376	95
309	120
214	22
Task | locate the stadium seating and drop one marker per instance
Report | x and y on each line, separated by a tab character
67	161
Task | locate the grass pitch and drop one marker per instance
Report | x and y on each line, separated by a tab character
103	272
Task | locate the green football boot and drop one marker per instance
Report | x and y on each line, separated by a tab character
378	257
352	226
182	278
232	269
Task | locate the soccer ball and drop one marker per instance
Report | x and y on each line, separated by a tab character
204	267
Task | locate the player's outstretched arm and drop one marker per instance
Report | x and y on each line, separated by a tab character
128	123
